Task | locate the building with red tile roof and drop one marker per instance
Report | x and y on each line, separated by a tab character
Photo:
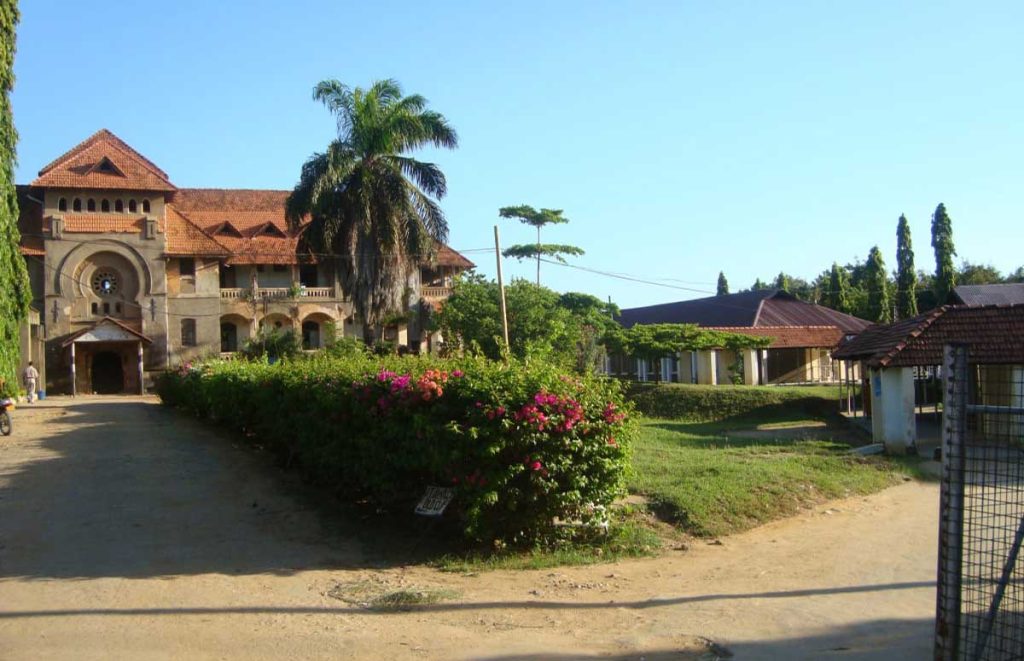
112	244
802	336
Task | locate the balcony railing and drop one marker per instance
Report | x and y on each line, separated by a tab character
435	293
271	293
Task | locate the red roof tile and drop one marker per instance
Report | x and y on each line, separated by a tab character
82	167
994	333
186	238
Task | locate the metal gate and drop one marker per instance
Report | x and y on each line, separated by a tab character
980	610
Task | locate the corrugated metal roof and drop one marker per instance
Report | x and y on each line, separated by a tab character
1001	294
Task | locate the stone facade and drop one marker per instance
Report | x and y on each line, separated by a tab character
173	274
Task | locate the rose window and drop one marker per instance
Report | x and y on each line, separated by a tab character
105	283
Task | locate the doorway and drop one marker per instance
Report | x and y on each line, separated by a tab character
107	373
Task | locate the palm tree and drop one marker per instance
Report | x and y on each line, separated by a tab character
368	204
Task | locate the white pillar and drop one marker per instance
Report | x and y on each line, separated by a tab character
892	408
707	367
751	367
74	384
142	372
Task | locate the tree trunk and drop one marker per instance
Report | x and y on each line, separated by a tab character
538	255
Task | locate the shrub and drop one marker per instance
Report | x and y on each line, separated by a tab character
699	403
522	445
273	343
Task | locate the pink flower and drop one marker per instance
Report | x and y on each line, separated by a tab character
457	373
536	466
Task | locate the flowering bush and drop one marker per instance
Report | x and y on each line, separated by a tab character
523	446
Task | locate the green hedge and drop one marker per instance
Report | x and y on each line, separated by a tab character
521	445
695	403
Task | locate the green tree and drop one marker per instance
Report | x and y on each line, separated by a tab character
562	329
723	284
877	286
368	201
906	276
942	242
978	274
837	295
1016	276
15	293
530	216
782	281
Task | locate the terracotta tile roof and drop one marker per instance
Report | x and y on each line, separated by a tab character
104	161
186	238
106	321
30	224
763	307
793	337
995	334
448	257
99	223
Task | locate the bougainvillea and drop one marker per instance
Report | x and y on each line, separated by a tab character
526	449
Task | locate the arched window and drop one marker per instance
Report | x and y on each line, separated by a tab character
77	204
90	205
118	206
105	206
62	204
132	208
145	206
188	332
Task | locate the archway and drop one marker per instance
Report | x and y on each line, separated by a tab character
316	331
228	337
107	373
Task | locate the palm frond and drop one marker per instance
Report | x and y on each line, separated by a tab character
427	176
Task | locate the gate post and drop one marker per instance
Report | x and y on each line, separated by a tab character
951	513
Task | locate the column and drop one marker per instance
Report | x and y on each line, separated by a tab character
74	384
892	408
751	367
707	367
142	372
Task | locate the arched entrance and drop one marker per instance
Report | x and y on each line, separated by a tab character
107	373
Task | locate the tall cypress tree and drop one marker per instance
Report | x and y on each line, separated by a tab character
15	294
838	295
877	285
782	281
942	242
723	284
906	276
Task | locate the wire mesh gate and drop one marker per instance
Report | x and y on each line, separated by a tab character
980	609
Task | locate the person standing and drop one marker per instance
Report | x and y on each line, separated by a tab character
31	376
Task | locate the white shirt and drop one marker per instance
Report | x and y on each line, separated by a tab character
31	373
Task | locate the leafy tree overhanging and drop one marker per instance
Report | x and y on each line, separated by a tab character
15	293
368	202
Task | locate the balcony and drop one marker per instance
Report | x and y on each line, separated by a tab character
435	293
276	293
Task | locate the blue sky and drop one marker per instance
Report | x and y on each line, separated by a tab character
680	138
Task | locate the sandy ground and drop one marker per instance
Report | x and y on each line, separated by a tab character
130	532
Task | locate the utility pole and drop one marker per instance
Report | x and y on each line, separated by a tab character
501	288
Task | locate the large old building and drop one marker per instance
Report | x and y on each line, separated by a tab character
132	275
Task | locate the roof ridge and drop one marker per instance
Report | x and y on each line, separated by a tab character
915	331
195	225
116	142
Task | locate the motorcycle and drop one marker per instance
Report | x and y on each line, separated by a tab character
6	405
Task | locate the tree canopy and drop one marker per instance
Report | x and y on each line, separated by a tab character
371	206
877	286
942	243
527	215
723	284
15	293
906	276
653	341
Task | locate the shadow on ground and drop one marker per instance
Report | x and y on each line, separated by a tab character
124	487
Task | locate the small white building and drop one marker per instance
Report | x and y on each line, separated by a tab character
889	355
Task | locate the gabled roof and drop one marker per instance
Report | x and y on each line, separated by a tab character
185	238
104	161
995	334
758	308
105	330
1001	294
447	257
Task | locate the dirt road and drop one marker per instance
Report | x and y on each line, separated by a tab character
130	532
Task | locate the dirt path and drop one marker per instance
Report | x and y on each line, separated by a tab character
130	532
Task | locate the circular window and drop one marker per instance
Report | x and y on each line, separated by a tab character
105	282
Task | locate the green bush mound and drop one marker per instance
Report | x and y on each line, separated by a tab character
697	403
525	448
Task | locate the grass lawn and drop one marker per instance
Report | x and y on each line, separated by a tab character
710	479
